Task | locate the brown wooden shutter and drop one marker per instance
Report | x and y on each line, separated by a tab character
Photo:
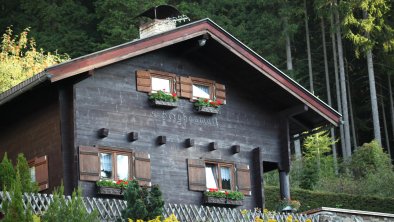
220	92
142	168
144	82
89	163
186	87
41	168
196	173
243	179
178	86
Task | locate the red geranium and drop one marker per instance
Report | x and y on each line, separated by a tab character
173	94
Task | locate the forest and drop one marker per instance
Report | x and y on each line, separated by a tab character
340	50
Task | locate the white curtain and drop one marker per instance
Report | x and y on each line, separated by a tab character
226	178
106	165
211	177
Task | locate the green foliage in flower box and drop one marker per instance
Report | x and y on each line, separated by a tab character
232	195
163	96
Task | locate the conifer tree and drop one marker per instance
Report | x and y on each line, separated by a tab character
7	173
22	167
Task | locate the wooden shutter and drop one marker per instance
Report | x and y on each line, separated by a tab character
89	163
144	82
186	87
196	174
243	179
220	92
142	168
41	169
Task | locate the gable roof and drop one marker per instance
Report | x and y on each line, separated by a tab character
206	26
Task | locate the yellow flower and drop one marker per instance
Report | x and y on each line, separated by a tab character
258	219
171	218
289	218
245	211
272	220
308	220
265	211
129	220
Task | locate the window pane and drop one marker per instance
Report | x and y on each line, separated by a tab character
161	84
106	165
33	174
201	91
211	176
122	166
225	173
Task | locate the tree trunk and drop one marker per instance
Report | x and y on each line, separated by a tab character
352	117
374	102
308	46
386	133
332	131
337	86
289	62
345	113
391	106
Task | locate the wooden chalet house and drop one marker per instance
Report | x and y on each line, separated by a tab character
90	118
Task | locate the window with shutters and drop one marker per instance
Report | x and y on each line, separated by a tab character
39	172
153	81
115	165
219	176
202	88
206	174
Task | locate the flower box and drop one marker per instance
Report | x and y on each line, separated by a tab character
222	201
164	104
110	190
207	109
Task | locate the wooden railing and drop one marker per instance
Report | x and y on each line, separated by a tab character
110	210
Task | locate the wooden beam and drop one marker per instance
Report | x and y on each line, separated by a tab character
295	110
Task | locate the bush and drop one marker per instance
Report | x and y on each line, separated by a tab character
312	200
73	211
141	203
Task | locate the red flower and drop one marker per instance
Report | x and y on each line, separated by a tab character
218	102
173	94
119	181
212	103
226	193
126	182
206	100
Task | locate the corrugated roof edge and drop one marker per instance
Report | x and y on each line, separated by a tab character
23	86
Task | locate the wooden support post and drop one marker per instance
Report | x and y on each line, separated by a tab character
284	185
257	172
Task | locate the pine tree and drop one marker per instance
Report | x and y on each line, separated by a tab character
7	173
22	167
14	209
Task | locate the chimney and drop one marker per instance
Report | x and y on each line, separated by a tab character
156	26
162	18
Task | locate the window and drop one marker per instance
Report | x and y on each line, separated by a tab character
153	81
39	172
201	91
202	88
203	175
114	165
161	84
219	176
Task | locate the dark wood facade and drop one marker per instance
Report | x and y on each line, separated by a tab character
251	131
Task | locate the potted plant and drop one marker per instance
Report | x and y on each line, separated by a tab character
111	187
207	106
163	99
223	198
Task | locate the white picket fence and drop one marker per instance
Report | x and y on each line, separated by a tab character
110	210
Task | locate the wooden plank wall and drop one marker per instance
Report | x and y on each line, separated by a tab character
30	125
109	99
